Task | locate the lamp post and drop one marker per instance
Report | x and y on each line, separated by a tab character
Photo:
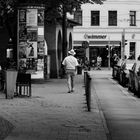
123	43
109	48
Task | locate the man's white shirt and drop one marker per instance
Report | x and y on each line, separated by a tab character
70	62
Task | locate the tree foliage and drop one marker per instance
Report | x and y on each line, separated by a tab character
53	9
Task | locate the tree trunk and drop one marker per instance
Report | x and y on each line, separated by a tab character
64	34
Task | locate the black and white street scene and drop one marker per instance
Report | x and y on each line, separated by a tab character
70	70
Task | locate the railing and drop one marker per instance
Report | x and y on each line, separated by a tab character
87	83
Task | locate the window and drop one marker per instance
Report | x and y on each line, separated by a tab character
112	18
132	18
95	18
78	16
132	50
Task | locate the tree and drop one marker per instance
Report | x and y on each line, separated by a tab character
53	9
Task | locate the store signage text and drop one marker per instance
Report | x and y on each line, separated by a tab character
91	36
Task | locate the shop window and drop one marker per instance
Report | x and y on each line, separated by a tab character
132	50
78	16
132	18
112	18
95	18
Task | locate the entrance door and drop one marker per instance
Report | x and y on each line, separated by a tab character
99	50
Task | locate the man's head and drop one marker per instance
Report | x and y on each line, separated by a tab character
71	52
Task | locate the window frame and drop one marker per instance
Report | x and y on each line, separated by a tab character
95	18
132	15
78	17
132	47
111	20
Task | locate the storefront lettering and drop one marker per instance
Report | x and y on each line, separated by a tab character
86	36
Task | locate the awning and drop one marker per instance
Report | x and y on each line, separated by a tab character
98	43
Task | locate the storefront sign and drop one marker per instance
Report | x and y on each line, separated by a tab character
91	36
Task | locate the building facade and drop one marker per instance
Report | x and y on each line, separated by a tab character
113	27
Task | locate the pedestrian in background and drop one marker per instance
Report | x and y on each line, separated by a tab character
115	59
86	64
70	63
99	61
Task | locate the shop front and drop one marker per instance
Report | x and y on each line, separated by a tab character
103	45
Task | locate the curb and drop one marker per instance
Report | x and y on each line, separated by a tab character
103	119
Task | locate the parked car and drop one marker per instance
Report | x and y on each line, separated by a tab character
124	72
116	70
134	78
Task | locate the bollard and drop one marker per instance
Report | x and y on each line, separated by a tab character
87	80
89	93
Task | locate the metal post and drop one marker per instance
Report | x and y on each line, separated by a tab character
123	44
109	54
87	81
89	92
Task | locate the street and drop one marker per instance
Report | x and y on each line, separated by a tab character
120	107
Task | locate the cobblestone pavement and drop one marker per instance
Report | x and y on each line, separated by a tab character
53	114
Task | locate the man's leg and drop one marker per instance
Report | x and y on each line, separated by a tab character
72	83
69	82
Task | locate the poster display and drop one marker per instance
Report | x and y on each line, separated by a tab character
22	32
31	40
40	48
31	50
31	17
22	15
40	17
32	34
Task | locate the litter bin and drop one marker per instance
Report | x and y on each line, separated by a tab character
79	70
11	76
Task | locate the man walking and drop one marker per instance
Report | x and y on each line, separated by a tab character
70	63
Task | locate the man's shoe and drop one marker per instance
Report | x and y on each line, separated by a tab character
72	90
69	91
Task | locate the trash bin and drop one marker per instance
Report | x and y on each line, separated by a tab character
11	76
79	70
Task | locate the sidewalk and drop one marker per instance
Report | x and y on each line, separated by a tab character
53	114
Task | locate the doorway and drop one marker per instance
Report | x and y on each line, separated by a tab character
99	50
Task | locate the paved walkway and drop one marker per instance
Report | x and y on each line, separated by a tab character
53	114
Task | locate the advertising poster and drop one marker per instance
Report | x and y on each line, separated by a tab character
41	31
22	52
22	49
22	15
40	17
22	31
22	63
40	48
32	34
31	17
31	49
40	65
31	64
40	38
